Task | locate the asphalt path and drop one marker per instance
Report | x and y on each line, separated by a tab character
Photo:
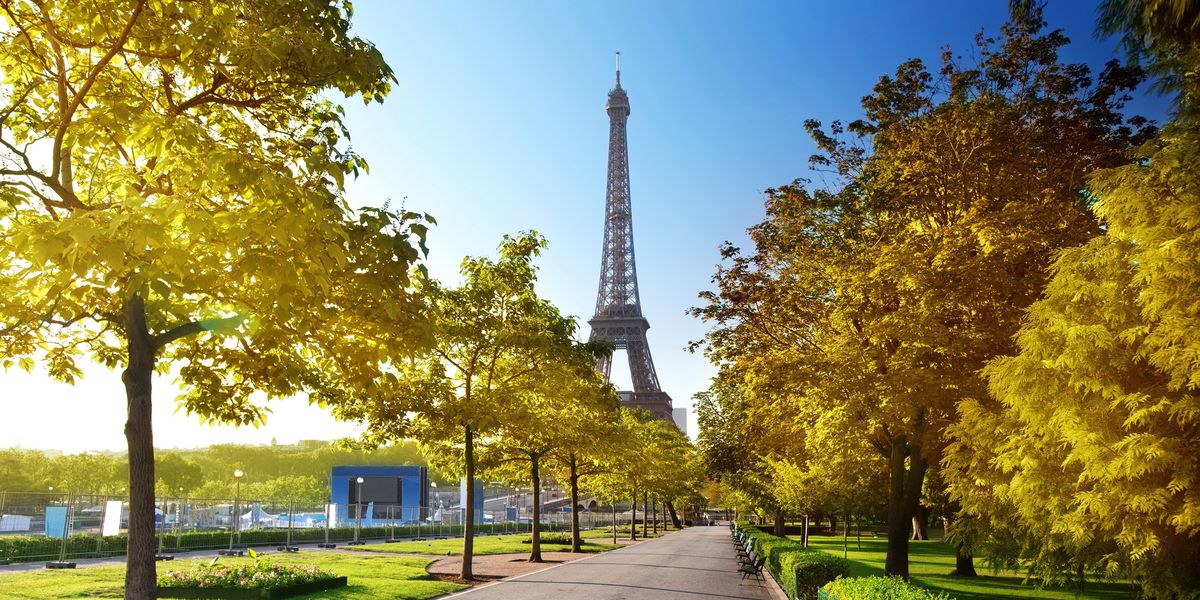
699	563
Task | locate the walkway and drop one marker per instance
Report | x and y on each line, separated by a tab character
698	562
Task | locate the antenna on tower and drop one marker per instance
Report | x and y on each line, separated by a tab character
618	68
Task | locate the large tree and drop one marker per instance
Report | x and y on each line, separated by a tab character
1088	463
171	201
952	197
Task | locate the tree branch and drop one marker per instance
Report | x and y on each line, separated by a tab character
192	328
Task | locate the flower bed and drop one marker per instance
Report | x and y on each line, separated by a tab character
255	580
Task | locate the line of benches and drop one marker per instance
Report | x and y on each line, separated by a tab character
749	561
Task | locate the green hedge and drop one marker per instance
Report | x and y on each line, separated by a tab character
880	588
25	548
799	570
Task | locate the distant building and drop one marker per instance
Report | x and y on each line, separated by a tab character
679	415
401	493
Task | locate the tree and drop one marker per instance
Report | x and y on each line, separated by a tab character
493	336
888	293
551	418
1096	431
170	188
176	474
593	438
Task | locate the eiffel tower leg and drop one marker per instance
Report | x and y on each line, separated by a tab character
604	366
641	366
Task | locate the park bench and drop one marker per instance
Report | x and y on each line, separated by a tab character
754	568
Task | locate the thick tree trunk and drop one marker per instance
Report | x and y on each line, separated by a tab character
535	477
140	578
904	495
469	505
780	523
964	561
576	543
633	517
832	524
920	524
674	517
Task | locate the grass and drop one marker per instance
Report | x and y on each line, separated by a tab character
930	562
491	544
370	577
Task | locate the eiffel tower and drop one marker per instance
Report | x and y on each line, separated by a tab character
618	309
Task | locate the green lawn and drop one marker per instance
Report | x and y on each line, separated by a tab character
370	577
490	544
930	562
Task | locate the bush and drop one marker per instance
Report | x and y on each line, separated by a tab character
257	575
880	588
799	570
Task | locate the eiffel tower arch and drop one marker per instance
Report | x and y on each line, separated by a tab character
618	317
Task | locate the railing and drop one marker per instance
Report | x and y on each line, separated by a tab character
50	526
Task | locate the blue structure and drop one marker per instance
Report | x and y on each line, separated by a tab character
399	491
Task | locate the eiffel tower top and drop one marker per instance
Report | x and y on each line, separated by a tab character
617	98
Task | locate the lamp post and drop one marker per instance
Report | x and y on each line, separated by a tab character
358	511
235	515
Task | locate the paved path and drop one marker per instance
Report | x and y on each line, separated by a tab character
698	563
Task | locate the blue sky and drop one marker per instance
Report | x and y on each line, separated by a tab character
497	125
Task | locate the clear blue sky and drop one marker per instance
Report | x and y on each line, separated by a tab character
497	125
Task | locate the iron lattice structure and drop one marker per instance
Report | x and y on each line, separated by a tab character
618	316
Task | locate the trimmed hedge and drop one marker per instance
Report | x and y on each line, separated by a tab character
27	548
880	588
799	570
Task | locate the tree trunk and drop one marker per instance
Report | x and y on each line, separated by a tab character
469	505
832	525
780	523
674	517
846	537
633	517
576	543
665	522
645	513
654	507
904	495
920	524
535	477
141	582
614	523
964	560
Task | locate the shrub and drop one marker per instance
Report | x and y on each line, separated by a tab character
256	575
880	588
799	570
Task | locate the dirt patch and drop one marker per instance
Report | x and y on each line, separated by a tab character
497	566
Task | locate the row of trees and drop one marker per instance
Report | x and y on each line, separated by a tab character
172	201
272	472
985	312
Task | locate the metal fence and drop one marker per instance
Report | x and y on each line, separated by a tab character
49	526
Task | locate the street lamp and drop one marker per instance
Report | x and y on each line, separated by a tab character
358	515
236	516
